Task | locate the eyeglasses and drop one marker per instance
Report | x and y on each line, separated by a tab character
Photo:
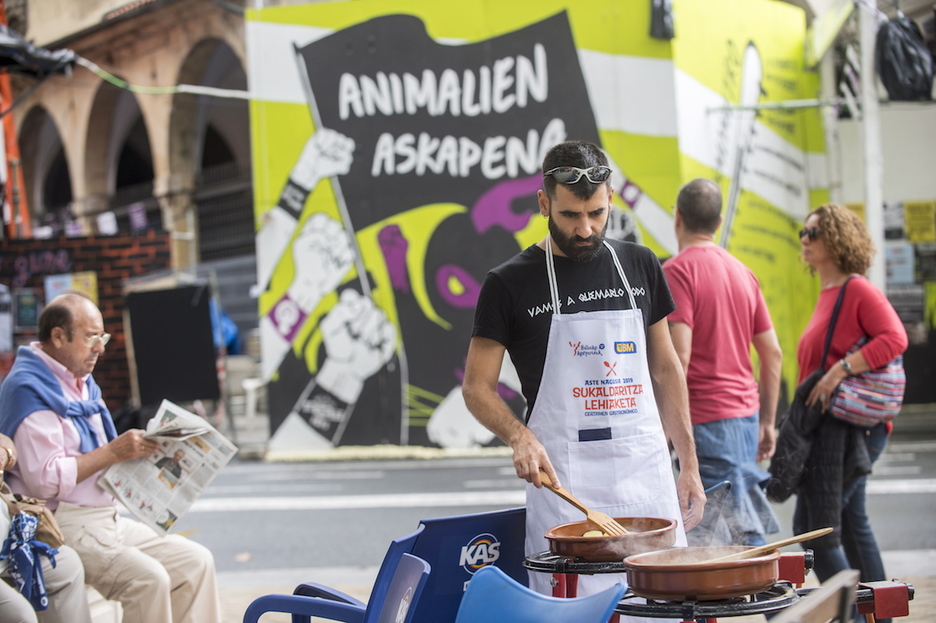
92	340
810	232
571	175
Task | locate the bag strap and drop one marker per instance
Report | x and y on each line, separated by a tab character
835	311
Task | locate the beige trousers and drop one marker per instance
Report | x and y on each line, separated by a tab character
156	579
65	587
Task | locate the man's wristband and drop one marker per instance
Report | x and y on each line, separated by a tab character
846	366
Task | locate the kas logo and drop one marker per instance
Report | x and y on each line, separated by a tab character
483	550
625	348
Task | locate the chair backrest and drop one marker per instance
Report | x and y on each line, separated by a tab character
395	604
493	597
388	568
403	594
386	575
457	547
833	601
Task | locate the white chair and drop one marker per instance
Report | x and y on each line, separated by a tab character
253	391
237	369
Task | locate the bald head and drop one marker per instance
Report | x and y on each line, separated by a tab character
71	331
699	203
60	312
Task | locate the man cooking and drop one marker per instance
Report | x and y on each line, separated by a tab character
584	321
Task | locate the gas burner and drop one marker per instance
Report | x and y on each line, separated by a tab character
777	597
547	562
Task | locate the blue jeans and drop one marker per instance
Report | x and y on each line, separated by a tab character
726	450
859	548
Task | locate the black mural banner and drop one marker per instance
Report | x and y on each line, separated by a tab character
433	123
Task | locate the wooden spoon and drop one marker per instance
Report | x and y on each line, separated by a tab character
761	549
604	521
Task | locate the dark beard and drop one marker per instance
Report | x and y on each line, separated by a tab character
569	244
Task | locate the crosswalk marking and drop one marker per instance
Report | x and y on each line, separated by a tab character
904	486
338	502
445	499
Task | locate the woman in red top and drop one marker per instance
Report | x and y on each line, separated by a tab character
837	246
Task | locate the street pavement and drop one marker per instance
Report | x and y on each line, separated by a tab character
239	588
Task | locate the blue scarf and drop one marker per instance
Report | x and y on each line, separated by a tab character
31	386
22	550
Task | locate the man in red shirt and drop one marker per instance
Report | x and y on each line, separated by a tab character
720	312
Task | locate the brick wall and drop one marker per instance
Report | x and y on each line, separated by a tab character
115	259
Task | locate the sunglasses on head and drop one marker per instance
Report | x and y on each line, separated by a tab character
810	232
571	175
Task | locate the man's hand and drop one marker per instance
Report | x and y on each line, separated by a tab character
326	153
322	255
131	445
691	498
529	457
767	444
127	446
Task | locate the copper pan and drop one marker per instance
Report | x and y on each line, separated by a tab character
687	573
645	534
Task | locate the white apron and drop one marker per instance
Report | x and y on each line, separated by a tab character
596	415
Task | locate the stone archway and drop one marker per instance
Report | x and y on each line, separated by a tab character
210	164
220	126
118	154
46	171
209	152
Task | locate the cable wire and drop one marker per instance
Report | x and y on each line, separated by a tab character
170	90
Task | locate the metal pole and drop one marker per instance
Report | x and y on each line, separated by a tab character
871	132
830	126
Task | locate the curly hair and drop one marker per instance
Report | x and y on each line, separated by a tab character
846	238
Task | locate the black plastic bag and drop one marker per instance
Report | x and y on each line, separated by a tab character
904	63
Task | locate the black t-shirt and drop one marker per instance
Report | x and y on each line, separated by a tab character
515	308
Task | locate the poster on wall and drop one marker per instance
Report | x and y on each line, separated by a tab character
397	159
26	308
900	263
85	282
920	219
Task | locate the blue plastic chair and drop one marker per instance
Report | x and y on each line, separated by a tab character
400	582
398	547
493	597
457	547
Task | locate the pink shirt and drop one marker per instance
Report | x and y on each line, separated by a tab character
865	312
47	446
718	297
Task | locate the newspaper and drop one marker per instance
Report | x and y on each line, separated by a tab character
159	489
